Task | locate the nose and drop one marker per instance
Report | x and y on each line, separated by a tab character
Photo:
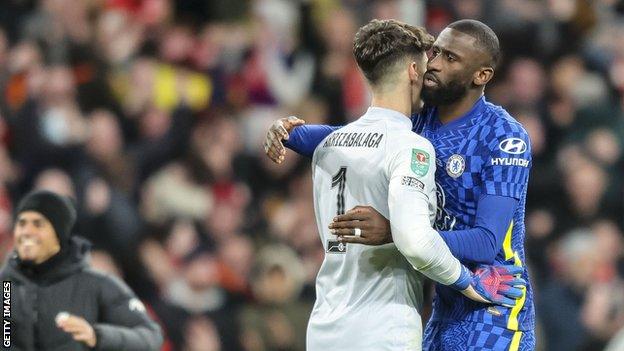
433	64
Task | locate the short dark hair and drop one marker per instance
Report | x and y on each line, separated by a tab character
381	43
484	35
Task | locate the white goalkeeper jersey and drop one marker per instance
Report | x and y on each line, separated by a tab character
369	297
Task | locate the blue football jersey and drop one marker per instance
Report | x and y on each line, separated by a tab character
485	151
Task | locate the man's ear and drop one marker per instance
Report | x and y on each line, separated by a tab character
483	76
413	72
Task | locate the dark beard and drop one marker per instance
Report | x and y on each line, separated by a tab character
443	95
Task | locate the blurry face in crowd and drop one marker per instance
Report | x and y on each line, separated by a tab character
451	69
275	286
35	238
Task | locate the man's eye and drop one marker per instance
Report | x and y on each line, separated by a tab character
450	57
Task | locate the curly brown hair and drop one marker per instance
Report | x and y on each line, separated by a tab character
380	44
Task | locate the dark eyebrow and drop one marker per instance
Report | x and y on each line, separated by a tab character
446	51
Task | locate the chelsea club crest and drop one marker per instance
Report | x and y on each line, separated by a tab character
455	165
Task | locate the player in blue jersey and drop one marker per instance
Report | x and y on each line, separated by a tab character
483	162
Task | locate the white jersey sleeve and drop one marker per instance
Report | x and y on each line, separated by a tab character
410	168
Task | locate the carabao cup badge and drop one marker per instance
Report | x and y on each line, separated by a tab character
420	162
455	165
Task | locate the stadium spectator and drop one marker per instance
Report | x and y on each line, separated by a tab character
57	301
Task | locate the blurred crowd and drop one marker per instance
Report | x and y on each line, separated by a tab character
151	114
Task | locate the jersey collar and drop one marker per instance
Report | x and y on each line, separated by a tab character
476	110
377	113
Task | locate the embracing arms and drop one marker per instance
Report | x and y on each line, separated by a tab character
411	230
479	244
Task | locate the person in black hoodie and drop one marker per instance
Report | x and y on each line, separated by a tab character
57	302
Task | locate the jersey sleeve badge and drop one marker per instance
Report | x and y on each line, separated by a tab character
420	162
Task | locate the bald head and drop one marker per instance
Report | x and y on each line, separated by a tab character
485	38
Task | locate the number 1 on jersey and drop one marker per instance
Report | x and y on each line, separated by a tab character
340	179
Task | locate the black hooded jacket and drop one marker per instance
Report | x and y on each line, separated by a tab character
65	283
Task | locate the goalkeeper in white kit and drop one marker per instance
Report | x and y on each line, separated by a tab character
370	297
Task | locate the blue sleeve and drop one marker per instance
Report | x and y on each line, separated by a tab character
484	241
304	139
507	161
463	281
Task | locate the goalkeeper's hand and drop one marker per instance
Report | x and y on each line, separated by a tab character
498	285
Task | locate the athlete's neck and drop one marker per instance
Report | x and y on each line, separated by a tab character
449	113
393	101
